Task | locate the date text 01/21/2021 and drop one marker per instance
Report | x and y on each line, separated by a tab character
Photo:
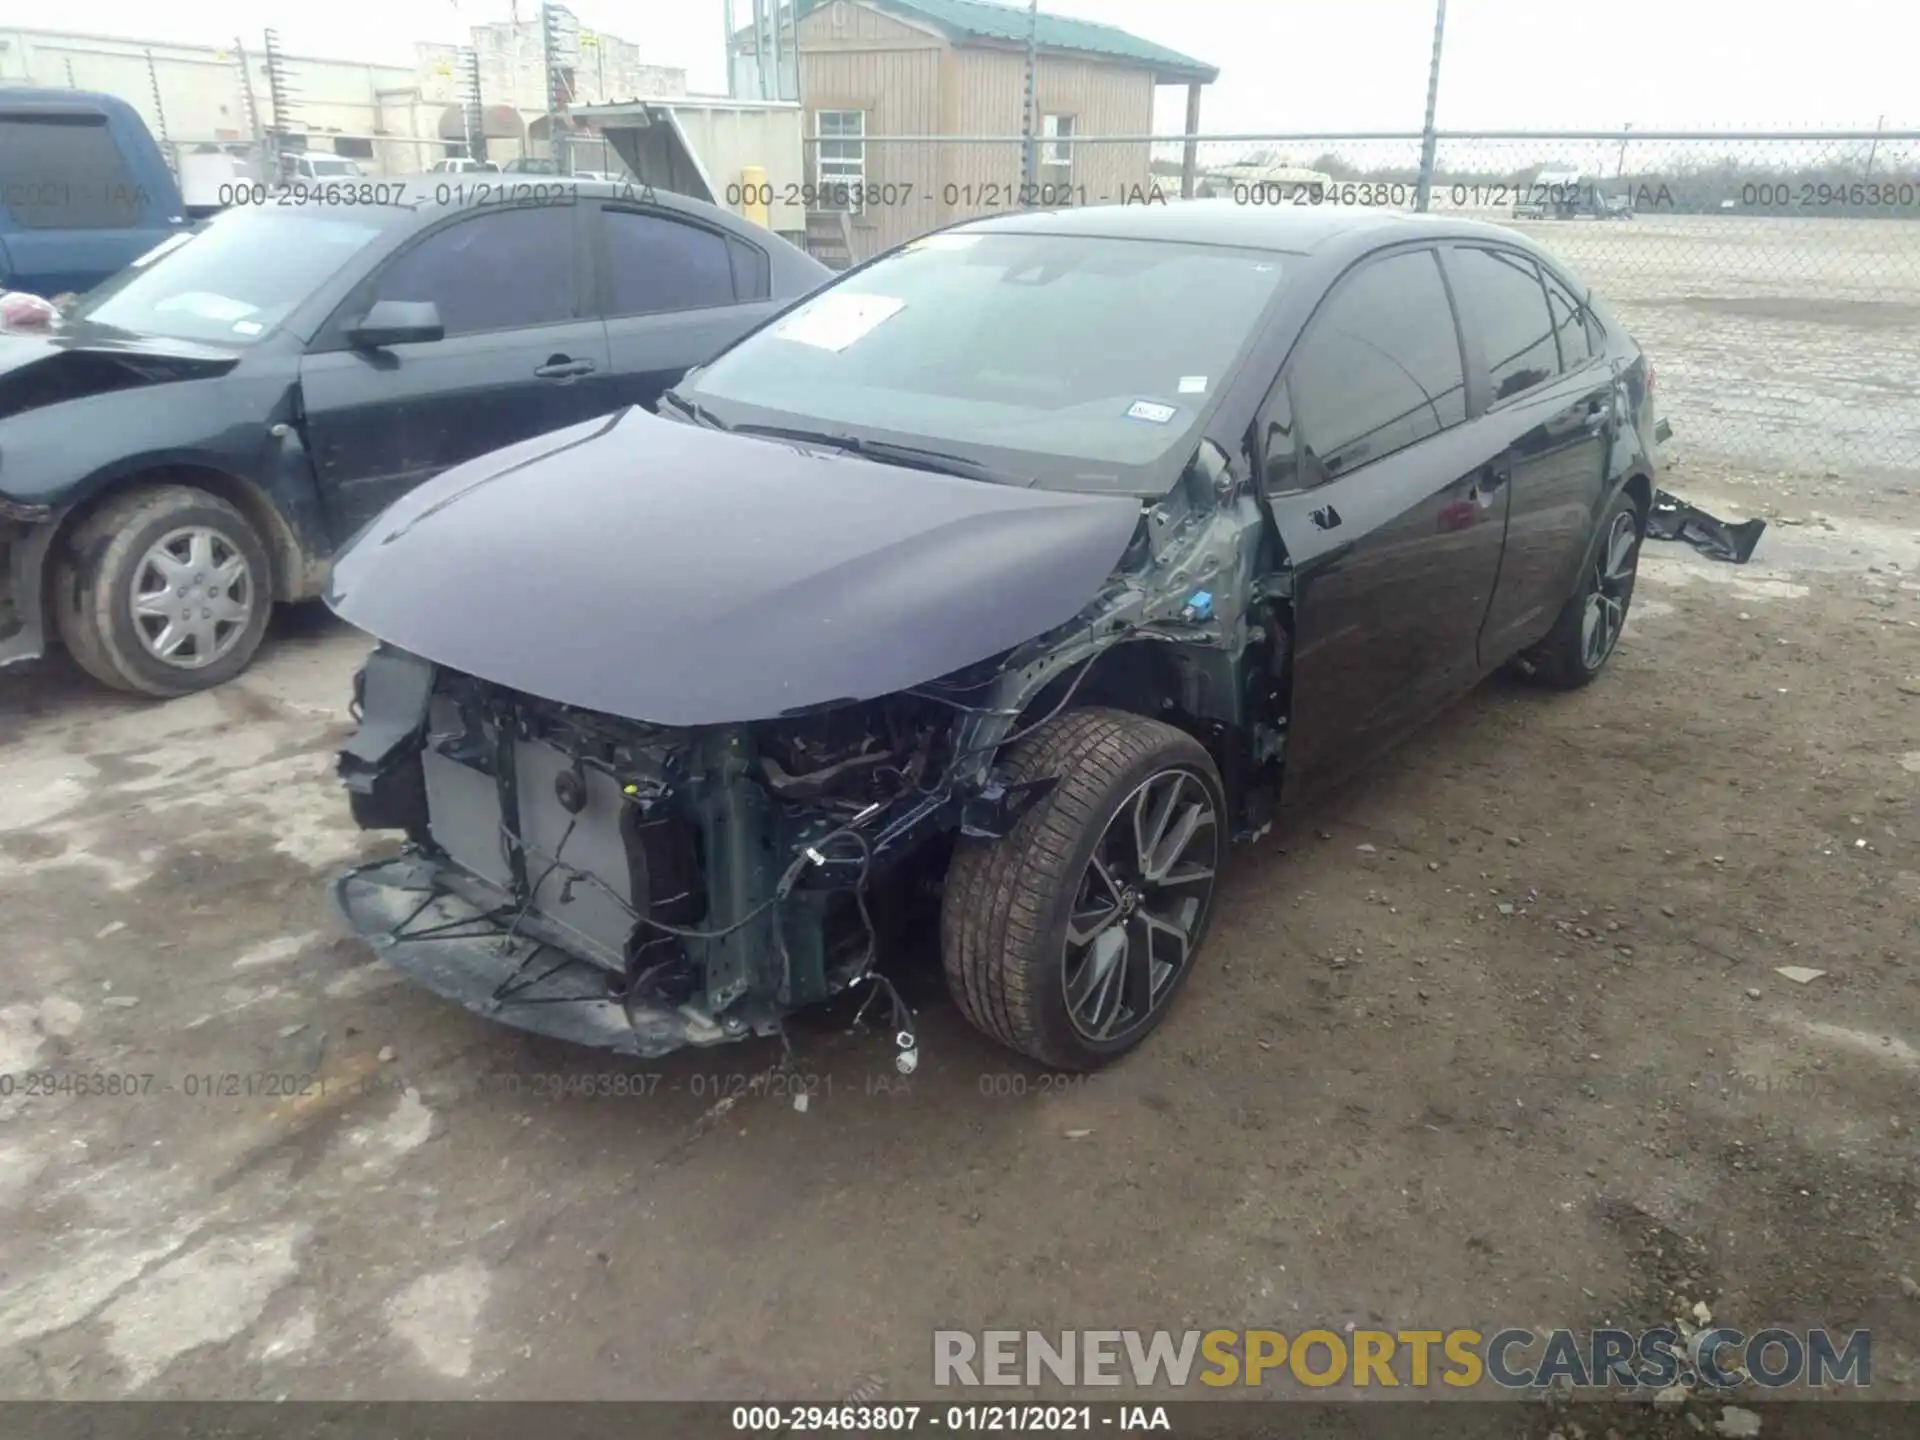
878	1419
987	195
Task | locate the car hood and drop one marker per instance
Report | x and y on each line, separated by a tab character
669	573
37	370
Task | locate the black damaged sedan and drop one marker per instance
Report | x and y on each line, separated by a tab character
1027	566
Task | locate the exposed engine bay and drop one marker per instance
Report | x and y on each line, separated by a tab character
644	887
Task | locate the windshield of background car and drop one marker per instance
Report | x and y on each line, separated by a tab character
1086	358
232	282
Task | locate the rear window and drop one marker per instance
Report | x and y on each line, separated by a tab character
64	172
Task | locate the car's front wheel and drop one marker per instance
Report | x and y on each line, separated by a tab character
1068	938
1584	637
163	591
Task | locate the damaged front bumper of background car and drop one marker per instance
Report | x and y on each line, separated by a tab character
691	792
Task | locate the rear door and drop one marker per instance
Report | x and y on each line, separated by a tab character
521	355
674	292
1390	509
1550	414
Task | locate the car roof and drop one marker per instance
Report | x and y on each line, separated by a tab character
47	100
1290	229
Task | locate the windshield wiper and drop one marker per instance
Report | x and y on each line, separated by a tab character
693	410
913	457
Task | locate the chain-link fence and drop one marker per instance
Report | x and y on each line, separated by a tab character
1774	277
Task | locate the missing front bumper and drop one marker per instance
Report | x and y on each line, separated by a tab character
456	936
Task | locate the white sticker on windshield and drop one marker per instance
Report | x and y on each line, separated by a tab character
205	305
1193	384
247	327
837	319
1148	410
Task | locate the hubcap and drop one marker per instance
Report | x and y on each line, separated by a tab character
1140	905
192	597
1612	588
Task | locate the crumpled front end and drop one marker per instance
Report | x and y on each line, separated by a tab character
633	887
26	533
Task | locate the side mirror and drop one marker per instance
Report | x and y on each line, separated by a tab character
397	322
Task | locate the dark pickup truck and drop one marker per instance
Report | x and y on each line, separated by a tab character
83	190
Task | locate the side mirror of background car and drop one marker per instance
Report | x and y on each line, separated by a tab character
397	322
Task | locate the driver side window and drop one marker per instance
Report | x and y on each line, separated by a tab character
506	268
1378	369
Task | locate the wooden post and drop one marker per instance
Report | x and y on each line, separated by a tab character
1190	153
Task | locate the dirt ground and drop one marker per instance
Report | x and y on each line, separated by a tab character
1786	342
1494	1037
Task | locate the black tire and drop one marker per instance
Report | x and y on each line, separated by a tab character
106	557
1007	903
1569	658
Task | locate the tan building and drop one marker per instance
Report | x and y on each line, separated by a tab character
879	78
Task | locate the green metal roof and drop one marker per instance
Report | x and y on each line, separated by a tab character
964	20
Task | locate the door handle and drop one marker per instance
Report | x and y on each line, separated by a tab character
560	367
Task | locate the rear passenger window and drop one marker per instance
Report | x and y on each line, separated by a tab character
1570	326
1501	291
751	280
1379	369
63	172
655	265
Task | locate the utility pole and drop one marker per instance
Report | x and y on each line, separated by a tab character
1428	139
246	87
1030	124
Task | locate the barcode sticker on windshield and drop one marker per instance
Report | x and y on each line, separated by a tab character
837	319
1149	410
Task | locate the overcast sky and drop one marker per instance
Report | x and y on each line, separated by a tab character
1285	64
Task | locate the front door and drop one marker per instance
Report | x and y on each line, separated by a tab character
520	357
1391	508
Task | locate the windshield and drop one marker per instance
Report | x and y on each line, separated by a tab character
318	166
1079	360
231	282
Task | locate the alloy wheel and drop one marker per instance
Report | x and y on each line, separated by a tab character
193	594
1606	611
1141	905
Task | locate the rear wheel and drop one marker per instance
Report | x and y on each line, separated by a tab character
163	591
1068	938
1583	639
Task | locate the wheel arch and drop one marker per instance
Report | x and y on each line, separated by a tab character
291	571
1639	484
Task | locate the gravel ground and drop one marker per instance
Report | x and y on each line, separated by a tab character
1782	342
1495	1036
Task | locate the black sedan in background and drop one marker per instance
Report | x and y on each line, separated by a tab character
201	433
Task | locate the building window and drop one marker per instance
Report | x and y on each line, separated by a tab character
840	158
1055	131
1056	150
